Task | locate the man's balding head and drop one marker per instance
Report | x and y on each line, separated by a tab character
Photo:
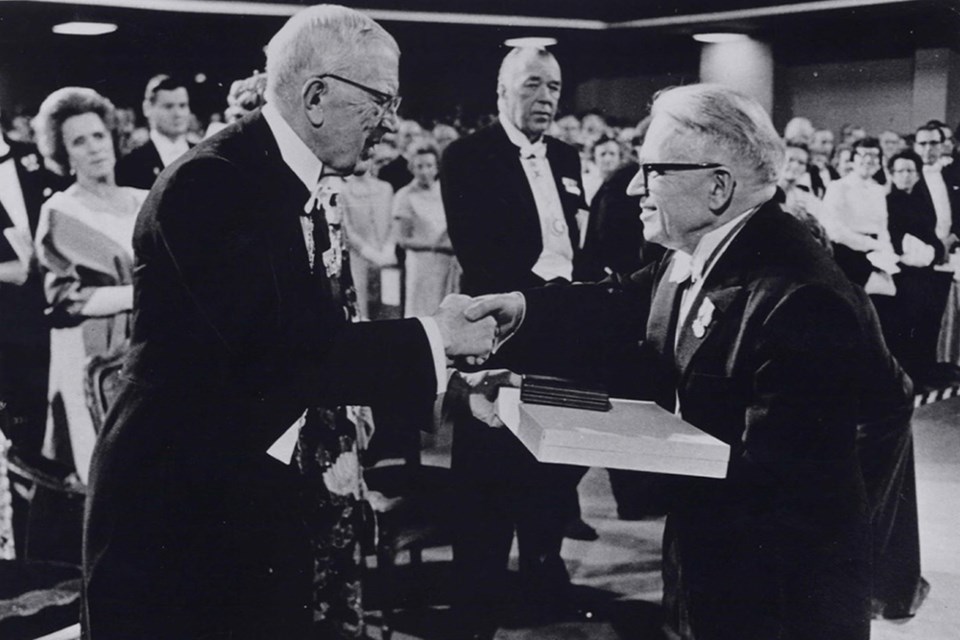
528	90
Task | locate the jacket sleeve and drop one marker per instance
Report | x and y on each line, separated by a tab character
203	243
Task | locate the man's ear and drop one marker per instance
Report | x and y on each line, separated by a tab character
146	109
314	95
721	191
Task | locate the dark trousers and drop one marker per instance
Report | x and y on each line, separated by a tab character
502	489
911	319
24	375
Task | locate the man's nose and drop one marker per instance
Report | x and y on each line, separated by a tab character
637	186
389	120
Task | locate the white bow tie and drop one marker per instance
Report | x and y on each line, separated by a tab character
537	150
685	268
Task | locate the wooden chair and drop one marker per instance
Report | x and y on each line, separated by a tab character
36	597
101	383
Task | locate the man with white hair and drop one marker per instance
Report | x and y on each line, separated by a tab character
511	194
195	523
749	331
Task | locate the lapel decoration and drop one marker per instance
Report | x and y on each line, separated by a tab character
30	162
703	318
571	186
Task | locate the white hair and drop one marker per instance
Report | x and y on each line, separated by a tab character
516	58
728	120
326	38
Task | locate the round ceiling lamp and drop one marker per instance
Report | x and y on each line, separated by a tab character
720	37
84	28
532	42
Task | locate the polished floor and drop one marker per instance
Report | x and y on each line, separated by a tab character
620	573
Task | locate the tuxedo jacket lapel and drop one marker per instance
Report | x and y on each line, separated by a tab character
663	310
568	200
688	340
505	154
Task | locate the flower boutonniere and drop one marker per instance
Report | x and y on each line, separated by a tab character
30	162
703	318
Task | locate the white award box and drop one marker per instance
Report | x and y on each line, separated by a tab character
636	435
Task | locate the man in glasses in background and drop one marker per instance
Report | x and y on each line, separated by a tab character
938	186
749	331
199	523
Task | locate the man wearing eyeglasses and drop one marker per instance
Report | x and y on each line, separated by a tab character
198	521
512	195
749	331
938	186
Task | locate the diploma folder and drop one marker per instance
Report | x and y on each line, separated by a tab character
635	435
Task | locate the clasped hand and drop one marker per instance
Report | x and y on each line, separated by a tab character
472	328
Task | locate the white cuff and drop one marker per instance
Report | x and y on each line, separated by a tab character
435	338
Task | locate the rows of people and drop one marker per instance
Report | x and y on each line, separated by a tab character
502	209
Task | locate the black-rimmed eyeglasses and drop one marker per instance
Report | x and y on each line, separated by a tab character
652	169
385	101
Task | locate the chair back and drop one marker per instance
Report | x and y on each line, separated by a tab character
101	382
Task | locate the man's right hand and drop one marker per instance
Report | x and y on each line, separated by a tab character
464	337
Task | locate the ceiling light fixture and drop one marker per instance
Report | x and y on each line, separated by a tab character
720	37
534	42
84	28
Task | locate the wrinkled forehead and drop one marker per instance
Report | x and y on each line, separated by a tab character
534	65
668	141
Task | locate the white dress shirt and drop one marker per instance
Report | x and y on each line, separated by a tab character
698	266
307	167
11	195
933	176
168	149
556	258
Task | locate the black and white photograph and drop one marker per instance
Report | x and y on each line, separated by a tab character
480	320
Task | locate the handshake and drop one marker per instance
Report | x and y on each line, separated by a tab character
473	328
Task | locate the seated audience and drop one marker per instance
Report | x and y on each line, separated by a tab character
606	156
855	217
794	182
913	329
84	246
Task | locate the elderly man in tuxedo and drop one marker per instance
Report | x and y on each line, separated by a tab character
512	195
240	333
166	105
749	331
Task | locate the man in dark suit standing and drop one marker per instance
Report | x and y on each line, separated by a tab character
756	337
511	196
24	333
166	105
240	334
938	186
